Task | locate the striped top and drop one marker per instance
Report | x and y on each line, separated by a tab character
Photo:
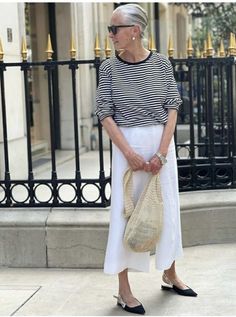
137	94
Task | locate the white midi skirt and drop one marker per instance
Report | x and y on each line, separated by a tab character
145	141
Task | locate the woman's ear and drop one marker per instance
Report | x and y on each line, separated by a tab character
137	31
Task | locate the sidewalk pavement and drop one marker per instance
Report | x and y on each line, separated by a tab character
210	270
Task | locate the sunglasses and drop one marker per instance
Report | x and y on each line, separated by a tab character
114	28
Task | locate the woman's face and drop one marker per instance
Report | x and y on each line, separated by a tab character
123	38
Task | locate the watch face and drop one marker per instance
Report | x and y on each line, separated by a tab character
164	160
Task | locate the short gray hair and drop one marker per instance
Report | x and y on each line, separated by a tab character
134	14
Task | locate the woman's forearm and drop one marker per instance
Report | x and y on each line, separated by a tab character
116	135
135	161
168	132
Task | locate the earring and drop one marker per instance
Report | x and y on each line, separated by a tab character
133	38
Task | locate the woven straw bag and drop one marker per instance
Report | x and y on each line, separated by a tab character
144	223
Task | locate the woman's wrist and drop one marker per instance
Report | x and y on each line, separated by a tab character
128	152
161	157
162	152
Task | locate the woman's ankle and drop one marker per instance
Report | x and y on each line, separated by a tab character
124	287
125	294
171	274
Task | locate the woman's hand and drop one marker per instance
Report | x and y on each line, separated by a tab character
136	162
154	165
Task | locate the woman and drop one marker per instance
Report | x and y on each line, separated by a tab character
137	103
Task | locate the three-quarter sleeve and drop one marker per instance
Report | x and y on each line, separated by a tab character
173	100
104	103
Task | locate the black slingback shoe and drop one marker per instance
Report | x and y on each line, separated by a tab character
135	310
184	292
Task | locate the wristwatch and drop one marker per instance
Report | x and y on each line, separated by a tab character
161	157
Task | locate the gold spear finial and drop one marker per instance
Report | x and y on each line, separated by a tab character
24	49
170	47
231	48
222	49
107	48
1	51
72	48
209	50
190	47
97	49
204	49
49	50
234	45
151	44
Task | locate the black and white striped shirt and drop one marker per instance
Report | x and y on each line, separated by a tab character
137	94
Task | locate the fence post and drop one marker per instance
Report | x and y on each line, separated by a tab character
49	68
73	67
5	137
102	182
25	69
234	123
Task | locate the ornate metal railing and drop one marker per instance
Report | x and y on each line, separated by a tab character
206	156
32	188
207	159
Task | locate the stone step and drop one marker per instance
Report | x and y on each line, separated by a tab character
76	238
39	148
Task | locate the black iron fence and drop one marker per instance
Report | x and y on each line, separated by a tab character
205	136
207	159
31	186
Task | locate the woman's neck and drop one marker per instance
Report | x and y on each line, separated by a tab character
134	55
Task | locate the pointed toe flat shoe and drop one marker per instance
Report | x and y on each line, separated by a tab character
169	287
135	310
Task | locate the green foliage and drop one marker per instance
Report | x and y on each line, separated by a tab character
217	18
